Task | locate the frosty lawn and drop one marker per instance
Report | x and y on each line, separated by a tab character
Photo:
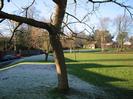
36	81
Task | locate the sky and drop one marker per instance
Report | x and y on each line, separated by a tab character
44	8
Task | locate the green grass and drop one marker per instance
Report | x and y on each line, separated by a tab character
112	72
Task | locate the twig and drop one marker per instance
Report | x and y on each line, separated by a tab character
2	4
2	20
13	32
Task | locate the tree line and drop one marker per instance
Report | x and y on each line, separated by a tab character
29	37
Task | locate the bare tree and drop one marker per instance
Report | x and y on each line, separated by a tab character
23	38
123	24
121	38
104	23
102	37
103	33
55	30
131	40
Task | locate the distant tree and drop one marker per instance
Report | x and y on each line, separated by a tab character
104	23
3	43
81	39
32	38
89	40
68	42
131	40
23	38
45	41
121	38
123	24
76	41
22	35
102	37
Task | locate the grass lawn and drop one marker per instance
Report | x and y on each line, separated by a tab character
112	72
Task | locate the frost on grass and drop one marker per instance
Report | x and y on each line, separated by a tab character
33	81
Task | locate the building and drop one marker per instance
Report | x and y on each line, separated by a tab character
90	45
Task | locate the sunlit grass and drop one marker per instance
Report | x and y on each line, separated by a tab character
109	71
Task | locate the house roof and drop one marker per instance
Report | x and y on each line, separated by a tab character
127	43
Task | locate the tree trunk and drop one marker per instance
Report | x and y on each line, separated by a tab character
102	43
46	56
60	63
56	44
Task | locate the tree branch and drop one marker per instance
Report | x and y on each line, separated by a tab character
114	1
75	1
126	7
75	34
27	8
2	20
80	21
1	34
69	28
29	21
99	1
2	4
13	32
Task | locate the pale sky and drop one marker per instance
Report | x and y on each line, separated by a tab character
45	9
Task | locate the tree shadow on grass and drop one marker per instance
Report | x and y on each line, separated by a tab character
103	81
69	60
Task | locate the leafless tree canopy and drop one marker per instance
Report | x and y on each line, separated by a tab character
49	25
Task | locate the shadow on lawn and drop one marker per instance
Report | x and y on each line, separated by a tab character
70	60
100	80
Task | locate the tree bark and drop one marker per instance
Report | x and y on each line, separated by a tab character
56	44
60	63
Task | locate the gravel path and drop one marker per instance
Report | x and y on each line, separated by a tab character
33	81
